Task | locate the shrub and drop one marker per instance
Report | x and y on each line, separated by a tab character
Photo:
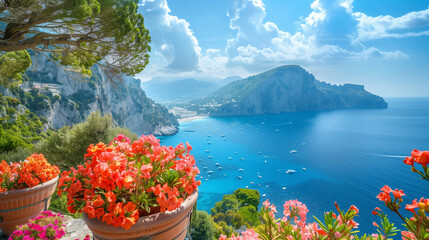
202	227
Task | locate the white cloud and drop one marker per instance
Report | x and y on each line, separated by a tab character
171	36
262	44
386	26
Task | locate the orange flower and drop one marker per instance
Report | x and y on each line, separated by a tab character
111	197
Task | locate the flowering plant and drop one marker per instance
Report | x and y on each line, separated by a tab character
29	173
122	181
46	226
342	226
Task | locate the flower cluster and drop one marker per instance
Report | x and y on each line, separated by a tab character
46	226
122	181
249	234
422	158
29	173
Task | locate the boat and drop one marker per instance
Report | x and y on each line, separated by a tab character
224	139
305	169
204	168
219	168
284	188
222	135
239	177
251	182
259	152
259	176
217	164
209	135
235	152
267	186
210	156
242	158
207	151
293	151
277	130
240	169
290	171
209	142
209	172
263	195
229	157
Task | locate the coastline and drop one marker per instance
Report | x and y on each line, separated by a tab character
190	119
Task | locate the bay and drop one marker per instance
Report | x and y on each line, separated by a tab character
342	156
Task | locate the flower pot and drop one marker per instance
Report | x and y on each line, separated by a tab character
17	206
159	226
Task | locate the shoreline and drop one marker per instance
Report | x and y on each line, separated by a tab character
190	119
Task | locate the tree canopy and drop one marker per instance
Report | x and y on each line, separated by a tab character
74	33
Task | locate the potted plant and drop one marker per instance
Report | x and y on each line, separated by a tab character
46	226
129	190
25	190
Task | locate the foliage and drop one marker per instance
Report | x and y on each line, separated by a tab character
20	128
72	33
67	146
12	66
47	225
222	229
342	225
19	154
59	204
202	227
120	178
29	173
238	209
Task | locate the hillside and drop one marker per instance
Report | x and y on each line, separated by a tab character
287	88
65	101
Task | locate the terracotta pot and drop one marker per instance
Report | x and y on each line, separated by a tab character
159	226
17	206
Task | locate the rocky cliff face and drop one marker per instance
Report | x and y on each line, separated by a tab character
73	100
286	89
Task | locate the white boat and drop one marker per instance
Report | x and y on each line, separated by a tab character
209	135
204	167
239	177
225	139
259	152
251	182
207	151
209	172
229	158
222	135
277	130
240	169
293	151
210	156
267	186
217	164
259	176
284	188
242	158
263	195
209	142
219	168
305	169
235	152
290	171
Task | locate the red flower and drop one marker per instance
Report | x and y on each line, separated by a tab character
409	161
111	197
386	189
410	207
354	208
383	196
398	193
421	157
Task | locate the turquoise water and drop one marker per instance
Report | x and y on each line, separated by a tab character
348	156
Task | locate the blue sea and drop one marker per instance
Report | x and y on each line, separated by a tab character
344	156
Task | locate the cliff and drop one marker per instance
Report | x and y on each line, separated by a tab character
285	89
69	101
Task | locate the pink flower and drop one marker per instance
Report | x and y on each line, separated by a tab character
337	234
266	204
407	235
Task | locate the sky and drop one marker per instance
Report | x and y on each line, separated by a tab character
381	44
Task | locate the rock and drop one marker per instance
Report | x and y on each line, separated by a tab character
76	229
75	99
285	89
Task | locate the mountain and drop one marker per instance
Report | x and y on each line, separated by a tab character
178	90
287	88
61	101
